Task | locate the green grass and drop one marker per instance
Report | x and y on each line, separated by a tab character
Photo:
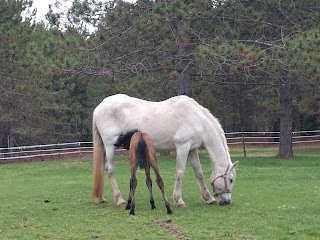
272	199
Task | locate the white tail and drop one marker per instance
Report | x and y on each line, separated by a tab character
98	164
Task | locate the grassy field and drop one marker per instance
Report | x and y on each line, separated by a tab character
272	199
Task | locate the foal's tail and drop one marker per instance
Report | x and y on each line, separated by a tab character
142	146
98	164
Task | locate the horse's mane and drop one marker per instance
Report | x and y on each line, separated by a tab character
213	119
124	139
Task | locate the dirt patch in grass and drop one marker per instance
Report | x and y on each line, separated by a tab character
168	226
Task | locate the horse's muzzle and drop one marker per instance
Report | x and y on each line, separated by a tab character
224	202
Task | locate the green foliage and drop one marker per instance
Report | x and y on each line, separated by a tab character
234	55
18	86
302	52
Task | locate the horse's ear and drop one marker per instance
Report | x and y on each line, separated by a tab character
234	165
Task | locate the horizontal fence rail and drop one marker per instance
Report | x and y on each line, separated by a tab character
85	150
271	138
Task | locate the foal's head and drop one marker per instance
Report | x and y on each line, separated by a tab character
124	139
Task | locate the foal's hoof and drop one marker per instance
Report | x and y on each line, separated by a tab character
169	211
132	213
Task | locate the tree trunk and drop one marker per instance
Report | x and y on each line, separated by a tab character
185	83
184	61
285	147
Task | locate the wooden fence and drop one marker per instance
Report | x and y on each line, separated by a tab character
84	149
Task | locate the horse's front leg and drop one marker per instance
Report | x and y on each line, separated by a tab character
195	162
182	154
110	168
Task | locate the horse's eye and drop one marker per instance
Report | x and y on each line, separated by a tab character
231	180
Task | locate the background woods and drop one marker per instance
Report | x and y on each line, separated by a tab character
254	64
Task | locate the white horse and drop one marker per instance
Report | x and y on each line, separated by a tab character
177	123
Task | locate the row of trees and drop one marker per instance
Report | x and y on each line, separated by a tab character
254	64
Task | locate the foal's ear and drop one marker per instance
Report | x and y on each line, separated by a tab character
235	164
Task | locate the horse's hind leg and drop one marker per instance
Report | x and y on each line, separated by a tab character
109	166
182	154
149	184
195	161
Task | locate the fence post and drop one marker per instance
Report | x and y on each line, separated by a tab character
59	151
243	143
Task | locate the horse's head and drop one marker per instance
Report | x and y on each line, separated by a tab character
222	184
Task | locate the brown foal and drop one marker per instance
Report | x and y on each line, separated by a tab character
142	153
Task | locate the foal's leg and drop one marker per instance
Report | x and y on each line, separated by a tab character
182	154
129	197
149	184
133	184
195	161
109	167
160	184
